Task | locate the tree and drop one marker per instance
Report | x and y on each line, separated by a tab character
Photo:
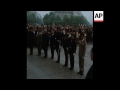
73	20
34	17
58	18
51	14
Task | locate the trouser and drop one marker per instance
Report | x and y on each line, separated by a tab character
71	60
39	49
45	51
66	56
31	48
52	51
81	63
58	53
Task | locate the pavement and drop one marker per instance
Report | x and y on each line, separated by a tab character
46	68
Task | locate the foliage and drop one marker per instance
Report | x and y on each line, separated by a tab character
34	17
73	20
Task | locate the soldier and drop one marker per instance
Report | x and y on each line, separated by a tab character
35	33
28	35
52	44
45	42
65	43
81	54
31	40
72	50
39	41
59	35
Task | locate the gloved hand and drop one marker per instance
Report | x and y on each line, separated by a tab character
73	54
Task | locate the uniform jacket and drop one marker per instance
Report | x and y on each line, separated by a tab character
72	46
82	48
52	40
65	41
39	38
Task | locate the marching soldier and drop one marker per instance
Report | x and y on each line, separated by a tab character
31	40
39	40
65	43
45	42
52	43
35	33
28	31
59	36
72	50
81	54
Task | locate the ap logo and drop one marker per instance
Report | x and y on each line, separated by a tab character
98	16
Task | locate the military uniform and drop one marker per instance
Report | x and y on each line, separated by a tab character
31	41
65	44
39	42
45	43
28	40
52	45
59	36
72	51
81	54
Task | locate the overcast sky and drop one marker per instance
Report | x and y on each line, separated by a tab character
87	14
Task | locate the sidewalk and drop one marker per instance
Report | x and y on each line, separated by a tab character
40	68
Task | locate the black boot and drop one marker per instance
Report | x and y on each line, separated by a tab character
65	65
81	72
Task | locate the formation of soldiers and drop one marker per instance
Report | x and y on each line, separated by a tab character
59	36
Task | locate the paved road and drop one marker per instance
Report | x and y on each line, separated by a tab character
40	68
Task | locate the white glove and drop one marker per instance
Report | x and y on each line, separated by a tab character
73	54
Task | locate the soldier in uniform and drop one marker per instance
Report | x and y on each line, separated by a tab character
59	36
31	40
45	42
65	43
35	33
52	43
72	50
39	40
81	54
28	31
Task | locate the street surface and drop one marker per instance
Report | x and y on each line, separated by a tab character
41	68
